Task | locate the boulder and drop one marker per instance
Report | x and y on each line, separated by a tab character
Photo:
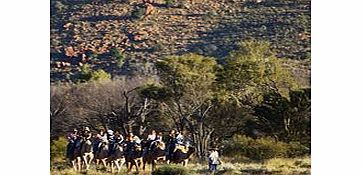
150	9
70	52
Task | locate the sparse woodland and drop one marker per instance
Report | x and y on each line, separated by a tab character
234	74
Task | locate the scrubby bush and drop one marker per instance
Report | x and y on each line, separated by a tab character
263	148
58	148
58	7
100	75
170	3
158	47
87	74
118	56
296	149
171	170
138	12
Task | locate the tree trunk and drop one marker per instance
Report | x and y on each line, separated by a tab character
142	127
201	139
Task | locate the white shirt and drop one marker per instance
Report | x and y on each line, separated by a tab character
214	157
151	137
137	139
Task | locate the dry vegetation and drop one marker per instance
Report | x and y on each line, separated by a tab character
276	166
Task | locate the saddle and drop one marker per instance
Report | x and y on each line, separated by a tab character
182	148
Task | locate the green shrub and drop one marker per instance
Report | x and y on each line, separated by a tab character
58	148
85	72
296	149
94	56
170	3
58	6
267	148
138	12
263	148
118	56
171	170
100	75
158	47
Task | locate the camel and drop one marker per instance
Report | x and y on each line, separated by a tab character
181	154
134	157
74	154
155	153
80	151
102	155
87	153
117	158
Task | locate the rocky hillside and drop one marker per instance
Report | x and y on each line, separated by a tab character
127	36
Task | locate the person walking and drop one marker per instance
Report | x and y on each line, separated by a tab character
214	160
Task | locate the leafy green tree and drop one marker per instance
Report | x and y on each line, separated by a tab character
251	71
189	80
286	119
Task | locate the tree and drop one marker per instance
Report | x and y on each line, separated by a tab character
251	71
189	80
286	119
113	104
60	110
247	74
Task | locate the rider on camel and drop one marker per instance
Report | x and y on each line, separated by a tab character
111	141
170	142
72	138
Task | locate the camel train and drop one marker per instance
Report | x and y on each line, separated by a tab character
85	151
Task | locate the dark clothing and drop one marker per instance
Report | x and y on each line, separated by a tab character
70	149
96	144
170	144
111	143
212	167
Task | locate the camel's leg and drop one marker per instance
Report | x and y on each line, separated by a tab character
141	162
96	162
123	161
112	166
138	165
129	166
74	164
91	157
104	163
79	163
185	162
144	165
85	159
117	165
153	165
